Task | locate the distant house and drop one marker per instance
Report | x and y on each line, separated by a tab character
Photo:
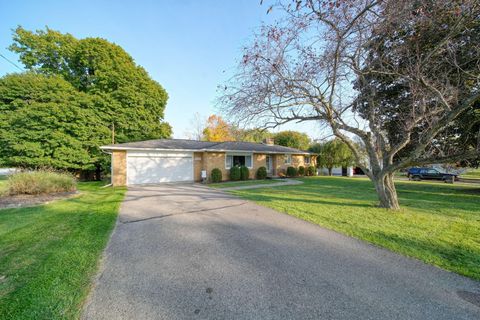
339	171
176	160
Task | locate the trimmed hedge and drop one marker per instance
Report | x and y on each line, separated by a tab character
216	175
301	171
291	172
262	173
235	174
311	171
244	173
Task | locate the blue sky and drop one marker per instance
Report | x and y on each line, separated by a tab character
188	46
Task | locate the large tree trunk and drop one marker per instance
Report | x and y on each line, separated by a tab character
330	171
387	194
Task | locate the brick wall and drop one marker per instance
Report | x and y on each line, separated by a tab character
211	160
119	168
208	161
198	165
297	160
214	160
259	160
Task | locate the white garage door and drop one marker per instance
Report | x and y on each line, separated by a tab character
157	167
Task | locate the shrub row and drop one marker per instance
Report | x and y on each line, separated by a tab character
238	173
301	171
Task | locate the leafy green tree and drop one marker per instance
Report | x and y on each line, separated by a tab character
250	135
123	93
46	122
334	153
292	139
76	90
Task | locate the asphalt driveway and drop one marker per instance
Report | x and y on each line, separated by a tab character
191	252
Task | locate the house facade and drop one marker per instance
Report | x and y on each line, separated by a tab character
176	160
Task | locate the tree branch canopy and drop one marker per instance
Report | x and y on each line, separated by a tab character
397	75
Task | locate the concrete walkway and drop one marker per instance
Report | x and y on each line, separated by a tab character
192	252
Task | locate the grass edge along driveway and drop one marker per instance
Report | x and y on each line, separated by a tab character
438	223
49	254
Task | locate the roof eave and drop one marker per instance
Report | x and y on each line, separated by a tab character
148	149
202	150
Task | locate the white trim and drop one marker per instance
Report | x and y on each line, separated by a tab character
270	162
244	154
285	161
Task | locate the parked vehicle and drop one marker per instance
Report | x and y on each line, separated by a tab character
418	174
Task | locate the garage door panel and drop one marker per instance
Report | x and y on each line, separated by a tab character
158	168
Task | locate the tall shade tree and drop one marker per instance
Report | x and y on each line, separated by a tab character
217	130
335	62
292	139
46	122
128	98
331	154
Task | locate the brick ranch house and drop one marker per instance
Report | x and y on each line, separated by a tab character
176	160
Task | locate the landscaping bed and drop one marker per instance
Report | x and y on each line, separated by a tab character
25	200
35	187
438	223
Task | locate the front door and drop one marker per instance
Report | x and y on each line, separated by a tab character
269	164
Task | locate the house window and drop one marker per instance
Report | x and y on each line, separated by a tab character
238	160
307	160
288	158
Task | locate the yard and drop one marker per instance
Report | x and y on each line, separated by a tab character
471	174
439	223
230	184
49	253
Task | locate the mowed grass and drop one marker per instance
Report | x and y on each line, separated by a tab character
49	254
243	183
471	174
438	223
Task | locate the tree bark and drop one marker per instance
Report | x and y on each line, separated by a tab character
330	171
387	194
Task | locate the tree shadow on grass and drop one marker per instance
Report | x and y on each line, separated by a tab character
281	197
415	196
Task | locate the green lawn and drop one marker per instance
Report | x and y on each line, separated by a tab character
242	183
49	254
471	174
439	223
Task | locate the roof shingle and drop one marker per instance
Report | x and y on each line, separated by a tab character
182	144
